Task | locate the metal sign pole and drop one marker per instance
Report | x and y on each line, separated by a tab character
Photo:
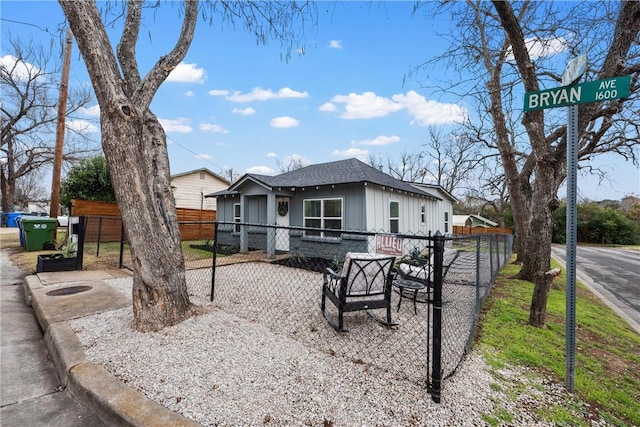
572	221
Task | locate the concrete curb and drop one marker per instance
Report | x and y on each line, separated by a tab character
30	283
117	404
91	384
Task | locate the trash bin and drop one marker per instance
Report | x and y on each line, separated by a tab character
21	231
12	218
39	233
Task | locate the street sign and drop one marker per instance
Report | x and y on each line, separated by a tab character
575	69
582	93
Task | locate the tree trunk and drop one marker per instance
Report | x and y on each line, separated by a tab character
136	151
135	147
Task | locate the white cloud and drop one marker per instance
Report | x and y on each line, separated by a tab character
262	170
180	125
368	105
244	111
284	122
187	73
271	154
218	92
93	111
335	44
19	70
189	93
208	127
365	106
380	140
203	156
260	94
353	152
328	107
542	48
81	126
427	112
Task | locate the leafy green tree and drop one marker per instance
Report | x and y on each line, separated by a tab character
610	226
89	180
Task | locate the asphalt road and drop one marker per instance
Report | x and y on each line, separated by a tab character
612	274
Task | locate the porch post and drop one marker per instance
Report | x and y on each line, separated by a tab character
244	229
271	220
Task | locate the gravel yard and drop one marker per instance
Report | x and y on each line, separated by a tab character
238	366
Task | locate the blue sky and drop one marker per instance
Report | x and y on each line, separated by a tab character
235	104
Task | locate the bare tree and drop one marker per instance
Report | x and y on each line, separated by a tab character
134	142
292	163
29	188
409	167
453	159
29	85
503	49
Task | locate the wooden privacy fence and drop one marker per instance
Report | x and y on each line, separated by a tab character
462	230
104	221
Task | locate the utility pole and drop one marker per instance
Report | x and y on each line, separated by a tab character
62	110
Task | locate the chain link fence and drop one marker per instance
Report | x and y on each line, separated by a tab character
273	275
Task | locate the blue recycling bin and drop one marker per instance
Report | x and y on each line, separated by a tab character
12	218
21	232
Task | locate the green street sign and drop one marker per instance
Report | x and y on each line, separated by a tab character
582	93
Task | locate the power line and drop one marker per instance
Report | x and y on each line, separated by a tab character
195	154
46	30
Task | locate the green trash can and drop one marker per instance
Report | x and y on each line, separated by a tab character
39	233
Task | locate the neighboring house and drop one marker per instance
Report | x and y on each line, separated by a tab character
473	221
189	188
341	195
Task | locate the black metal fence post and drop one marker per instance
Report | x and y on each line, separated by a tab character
82	228
215	251
121	244
99	236
436	369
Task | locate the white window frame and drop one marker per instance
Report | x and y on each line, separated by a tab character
322	218
423	214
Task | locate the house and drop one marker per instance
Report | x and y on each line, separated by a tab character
189	188
473	221
341	195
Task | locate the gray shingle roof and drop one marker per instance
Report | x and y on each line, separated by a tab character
339	172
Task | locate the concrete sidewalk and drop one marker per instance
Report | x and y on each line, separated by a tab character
30	392
59	297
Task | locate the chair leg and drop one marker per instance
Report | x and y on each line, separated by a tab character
340	318
389	313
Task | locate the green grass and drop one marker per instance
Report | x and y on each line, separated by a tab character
607	375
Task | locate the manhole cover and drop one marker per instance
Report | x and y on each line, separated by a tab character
69	291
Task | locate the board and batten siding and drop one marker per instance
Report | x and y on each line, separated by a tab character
189	190
377	212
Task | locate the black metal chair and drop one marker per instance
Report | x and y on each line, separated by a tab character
363	283
420	269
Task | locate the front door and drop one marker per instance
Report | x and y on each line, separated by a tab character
282	219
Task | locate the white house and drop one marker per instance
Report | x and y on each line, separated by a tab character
189	188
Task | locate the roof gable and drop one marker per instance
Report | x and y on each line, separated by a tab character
196	171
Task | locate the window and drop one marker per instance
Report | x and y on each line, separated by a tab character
394	217
446	222
423	213
202	175
323	213
236	217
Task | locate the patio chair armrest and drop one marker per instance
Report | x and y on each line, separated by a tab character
328	273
